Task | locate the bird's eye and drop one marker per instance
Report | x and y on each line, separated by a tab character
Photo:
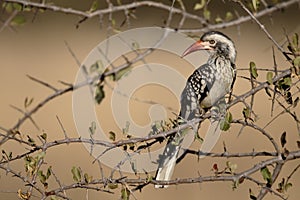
212	41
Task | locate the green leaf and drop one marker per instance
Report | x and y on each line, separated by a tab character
30	164
97	67
266	174
48	172
149	178
44	136
26	9
246	113
295	41
225	123
119	2
296	61
30	140
280	186
7	156
92	128
17	6
235	184
126	129
253	70
228	116
87	179
284	85
119	74
76	172
232	167
8	7
176	140
200	5
112	136
228	16
135	45
287	186
112	186
133	167
255	4
40	156
218	20
27	102
199	138
125	193
283	139
283	186
113	22
42	177
99	94
18	20
270	78
206	14
94	7
288	81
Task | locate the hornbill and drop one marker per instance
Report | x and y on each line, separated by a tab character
204	88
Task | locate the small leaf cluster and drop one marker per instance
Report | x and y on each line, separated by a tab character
267	176
283	186
44	177
6	156
16	9
229	169
98	68
203	6
78	177
31	163
225	123
163	125
294	49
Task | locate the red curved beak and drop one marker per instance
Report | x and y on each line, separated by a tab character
199	45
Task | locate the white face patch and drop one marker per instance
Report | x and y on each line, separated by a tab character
222	39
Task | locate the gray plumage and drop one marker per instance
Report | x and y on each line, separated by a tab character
204	88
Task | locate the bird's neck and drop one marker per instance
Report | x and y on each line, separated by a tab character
228	53
221	58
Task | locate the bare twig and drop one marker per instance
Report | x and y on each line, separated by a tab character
110	9
265	30
62	127
42	83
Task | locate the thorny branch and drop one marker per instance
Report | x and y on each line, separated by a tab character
136	4
277	158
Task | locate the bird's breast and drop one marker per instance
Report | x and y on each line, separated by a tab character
223	79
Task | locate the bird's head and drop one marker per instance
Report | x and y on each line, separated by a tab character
215	43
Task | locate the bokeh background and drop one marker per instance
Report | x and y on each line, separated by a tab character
38	49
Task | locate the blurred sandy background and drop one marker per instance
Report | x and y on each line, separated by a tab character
38	49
